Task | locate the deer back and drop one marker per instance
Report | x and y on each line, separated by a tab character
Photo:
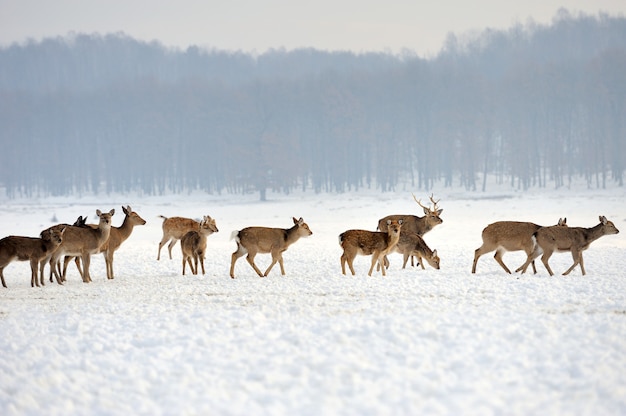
510	235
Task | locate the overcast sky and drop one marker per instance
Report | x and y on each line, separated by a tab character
258	25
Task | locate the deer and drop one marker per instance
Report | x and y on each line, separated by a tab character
83	242
254	240
413	223
564	239
193	245
503	236
174	228
30	249
412	244
375	243
117	236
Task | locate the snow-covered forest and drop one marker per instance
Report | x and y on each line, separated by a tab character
531	106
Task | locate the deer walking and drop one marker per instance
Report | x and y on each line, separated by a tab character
83	242
29	249
412	244
254	240
375	243
572	239
117	236
193	245
503	236
413	223
174	228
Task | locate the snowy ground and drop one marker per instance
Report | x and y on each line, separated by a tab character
314	341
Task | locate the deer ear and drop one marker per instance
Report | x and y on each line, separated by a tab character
434	252
388	222
426	211
112	211
399	221
603	219
439	211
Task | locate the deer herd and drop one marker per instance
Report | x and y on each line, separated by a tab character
404	234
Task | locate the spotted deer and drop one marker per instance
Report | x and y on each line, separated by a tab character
375	243
564	239
17	248
83	242
193	245
413	223
174	228
254	240
503	236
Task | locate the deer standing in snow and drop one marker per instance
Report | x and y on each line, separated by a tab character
29	249
253	240
375	243
83	242
175	228
503	236
117	236
572	239
193	245
413	223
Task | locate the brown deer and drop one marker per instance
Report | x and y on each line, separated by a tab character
253	240
193	244
116	238
29	249
375	243
413	223
80	222
175	228
83	242
503	236
412	244
572	239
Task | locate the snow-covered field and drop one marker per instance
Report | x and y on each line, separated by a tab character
314	341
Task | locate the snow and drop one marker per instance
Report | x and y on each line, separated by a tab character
437	342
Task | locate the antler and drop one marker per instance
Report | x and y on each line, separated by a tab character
434	202
431	200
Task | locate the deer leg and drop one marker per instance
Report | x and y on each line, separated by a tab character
344	260
108	259
280	263
34	277
86	262
420	260
498	257
184	264
163	241
477	253
202	263
2	277
250	259
170	246
233	258
544	260
405	259
377	259
577	256
195	264
275	258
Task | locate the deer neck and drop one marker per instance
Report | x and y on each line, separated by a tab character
291	235
126	228
593	233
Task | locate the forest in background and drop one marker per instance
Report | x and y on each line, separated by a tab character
532	106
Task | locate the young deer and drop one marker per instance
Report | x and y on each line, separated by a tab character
412	244
175	228
503	236
413	223
253	240
365	243
117	236
572	239
29	249
193	244
80	222
83	242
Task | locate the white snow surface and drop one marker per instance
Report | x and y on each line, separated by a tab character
312	342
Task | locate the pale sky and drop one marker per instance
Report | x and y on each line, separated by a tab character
259	25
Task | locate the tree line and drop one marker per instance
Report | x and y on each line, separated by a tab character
533	106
